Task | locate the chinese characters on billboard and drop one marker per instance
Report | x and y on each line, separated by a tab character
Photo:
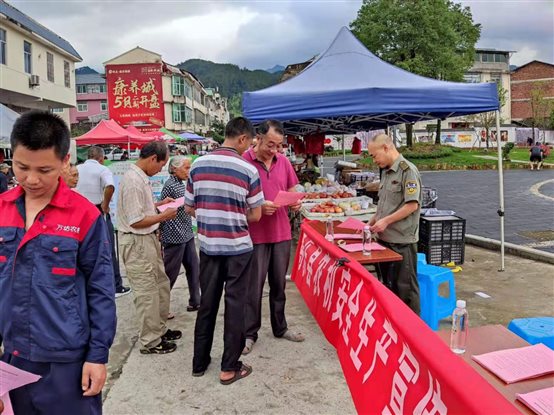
135	95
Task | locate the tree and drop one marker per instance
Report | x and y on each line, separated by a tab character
235	105
540	107
217	130
487	120
432	38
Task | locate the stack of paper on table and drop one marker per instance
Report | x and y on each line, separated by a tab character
540	402
359	247
351	223
513	365
348	236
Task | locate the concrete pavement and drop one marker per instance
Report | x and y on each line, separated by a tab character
295	378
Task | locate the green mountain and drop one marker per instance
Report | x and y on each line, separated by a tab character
230	79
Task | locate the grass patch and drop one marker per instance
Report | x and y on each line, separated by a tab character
434	157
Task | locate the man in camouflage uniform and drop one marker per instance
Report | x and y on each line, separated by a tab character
397	219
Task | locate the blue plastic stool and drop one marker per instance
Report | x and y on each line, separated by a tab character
421	258
433	306
534	330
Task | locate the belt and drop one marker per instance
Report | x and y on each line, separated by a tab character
140	234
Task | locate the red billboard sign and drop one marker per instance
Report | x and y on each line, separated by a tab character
135	95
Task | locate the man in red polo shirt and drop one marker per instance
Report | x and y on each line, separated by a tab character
271	235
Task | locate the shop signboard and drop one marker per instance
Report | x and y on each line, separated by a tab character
135	95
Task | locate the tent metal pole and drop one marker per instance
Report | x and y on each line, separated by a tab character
501	190
343	149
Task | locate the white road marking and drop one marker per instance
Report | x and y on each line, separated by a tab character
535	189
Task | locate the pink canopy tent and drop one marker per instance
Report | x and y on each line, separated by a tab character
131	129
110	132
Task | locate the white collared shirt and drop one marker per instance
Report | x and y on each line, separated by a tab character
93	179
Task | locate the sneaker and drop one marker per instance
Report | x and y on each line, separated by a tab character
172	335
163	348
122	291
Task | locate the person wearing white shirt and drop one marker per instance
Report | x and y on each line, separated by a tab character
97	185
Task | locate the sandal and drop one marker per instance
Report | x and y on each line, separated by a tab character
238	375
170	316
293	337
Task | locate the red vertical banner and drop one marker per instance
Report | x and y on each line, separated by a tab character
392	362
135	95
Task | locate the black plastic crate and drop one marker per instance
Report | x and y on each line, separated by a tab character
441	229
438	253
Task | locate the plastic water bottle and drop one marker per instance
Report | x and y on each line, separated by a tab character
366	241
460	325
329	230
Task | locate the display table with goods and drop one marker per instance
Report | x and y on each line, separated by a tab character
487	339
329	199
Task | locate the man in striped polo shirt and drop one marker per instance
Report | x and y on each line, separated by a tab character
224	193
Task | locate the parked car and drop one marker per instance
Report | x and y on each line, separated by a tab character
116	153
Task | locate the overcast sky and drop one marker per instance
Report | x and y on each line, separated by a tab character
259	34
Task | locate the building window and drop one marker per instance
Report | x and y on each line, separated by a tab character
81	89
102	88
66	74
104	105
82	107
178	86
57	110
188	90
472	77
496	77
50	66
500	57
3	46
179	113
188	115
27	57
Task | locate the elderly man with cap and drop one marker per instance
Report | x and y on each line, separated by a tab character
177	236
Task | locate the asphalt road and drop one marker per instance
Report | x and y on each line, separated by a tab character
474	196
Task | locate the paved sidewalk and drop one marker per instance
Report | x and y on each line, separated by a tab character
295	378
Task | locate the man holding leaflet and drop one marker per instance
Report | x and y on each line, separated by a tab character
271	235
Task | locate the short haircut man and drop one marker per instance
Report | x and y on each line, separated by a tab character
224	191
140	249
97	185
271	236
396	221
57	310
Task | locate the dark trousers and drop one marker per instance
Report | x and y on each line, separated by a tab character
57	392
271	260
115	262
185	254
217	272
401	276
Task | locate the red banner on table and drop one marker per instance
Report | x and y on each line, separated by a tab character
135	95
393	363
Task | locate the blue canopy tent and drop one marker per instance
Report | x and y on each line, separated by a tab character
191	137
348	89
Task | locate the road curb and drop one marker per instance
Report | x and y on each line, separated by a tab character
512	249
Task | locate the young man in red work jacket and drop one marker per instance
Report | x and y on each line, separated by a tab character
57	299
